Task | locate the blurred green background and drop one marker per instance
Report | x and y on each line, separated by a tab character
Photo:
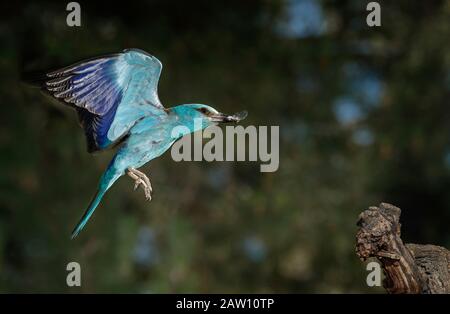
364	117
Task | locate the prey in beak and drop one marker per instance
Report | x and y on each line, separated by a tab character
225	118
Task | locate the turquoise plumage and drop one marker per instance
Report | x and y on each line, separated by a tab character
117	103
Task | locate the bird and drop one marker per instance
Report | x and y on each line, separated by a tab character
116	99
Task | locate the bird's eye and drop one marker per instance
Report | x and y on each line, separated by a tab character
204	111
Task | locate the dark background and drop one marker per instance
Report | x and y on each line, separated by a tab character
363	114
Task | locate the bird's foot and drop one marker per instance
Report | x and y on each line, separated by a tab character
140	179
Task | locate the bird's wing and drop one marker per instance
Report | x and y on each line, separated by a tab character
110	93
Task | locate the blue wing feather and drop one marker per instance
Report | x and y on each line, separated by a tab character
110	93
96	128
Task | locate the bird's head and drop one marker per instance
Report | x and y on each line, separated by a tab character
199	116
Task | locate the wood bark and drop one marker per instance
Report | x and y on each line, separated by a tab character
408	268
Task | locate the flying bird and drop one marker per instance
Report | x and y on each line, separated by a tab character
117	102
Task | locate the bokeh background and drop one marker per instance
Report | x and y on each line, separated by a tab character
364	117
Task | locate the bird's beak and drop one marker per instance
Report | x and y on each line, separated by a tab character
222	117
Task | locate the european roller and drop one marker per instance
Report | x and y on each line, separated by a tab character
117	102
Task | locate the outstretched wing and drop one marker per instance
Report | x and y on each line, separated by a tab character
110	93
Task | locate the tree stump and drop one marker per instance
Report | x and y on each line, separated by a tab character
408	268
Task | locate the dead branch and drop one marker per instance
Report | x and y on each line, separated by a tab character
410	268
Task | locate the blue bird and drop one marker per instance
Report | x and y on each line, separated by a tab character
117	103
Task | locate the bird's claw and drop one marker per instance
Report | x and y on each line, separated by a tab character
140	179
147	189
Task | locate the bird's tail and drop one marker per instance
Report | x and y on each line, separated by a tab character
108	178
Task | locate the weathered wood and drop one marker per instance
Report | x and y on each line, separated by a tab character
410	268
